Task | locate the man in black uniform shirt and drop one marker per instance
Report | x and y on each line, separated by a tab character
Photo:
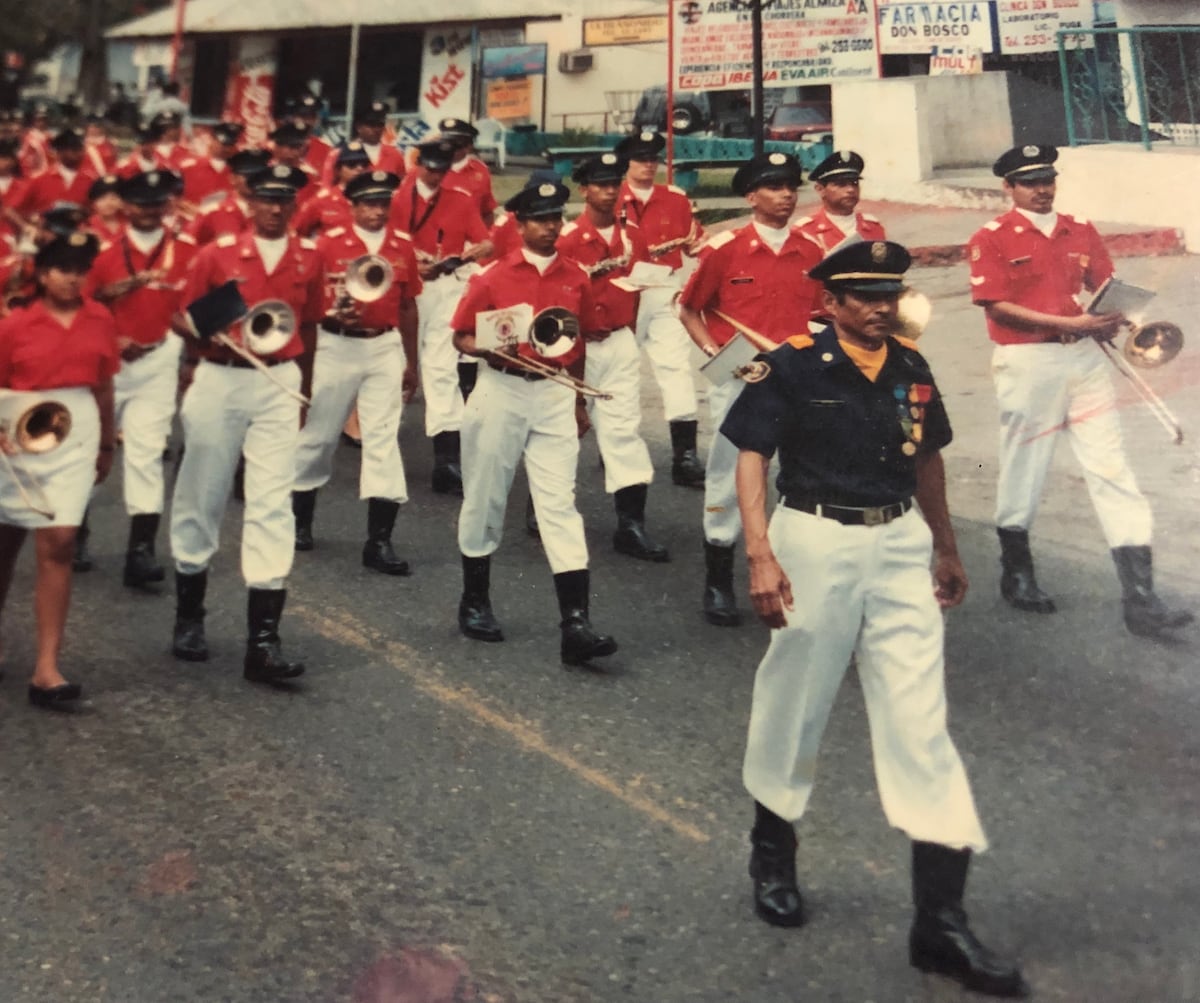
844	569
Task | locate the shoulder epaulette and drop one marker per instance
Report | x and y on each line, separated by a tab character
212	207
190	162
308	243
906	342
872	219
337	231
803	221
486	267
402	234
226	240
721	239
800	341
569	228
993	224
186	238
677	190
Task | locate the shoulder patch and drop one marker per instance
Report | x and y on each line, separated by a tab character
799	341
677	190
212	207
186	238
226	240
1081	220
992	225
308	243
337	231
720	240
402	234
873	219
569	228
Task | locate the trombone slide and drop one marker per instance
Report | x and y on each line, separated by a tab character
262	367
552	373
1157	405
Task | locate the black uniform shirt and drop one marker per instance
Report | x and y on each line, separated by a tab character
842	440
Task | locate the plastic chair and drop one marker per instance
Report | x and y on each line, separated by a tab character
490	141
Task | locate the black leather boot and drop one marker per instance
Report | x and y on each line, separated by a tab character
687	469
304	506
720	606
141	569
940	939
264	654
1017	583
82	561
630	538
447	464
475	617
468	373
580	643
188	641
378	554
1145	613
773	867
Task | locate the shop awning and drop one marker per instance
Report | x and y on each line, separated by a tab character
212	17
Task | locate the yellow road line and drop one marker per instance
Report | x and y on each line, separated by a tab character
345	629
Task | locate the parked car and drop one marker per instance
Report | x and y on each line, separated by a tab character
800	120
722	113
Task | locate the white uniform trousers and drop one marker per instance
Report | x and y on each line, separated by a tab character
439	358
371	370
1049	390
508	418
722	519
614	366
863	590
144	393
669	348
228	412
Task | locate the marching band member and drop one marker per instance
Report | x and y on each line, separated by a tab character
68	344
329	208
663	214
232	409
140	277
513	413
368	128
171	150
143	157
67	180
290	140
232	215
842	567
607	248
467	171
35	153
107	220
12	191
444	227
365	352
307	111
208	179
100	150
758	275
18	276
1027	268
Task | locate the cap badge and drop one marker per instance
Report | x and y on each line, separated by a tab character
608	158
879	252
1030	151
777	159
281	171
646	136
379	176
844	156
152	178
547	190
354	145
77	240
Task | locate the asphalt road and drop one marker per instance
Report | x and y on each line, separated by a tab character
424	810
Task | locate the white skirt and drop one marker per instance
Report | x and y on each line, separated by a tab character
61	479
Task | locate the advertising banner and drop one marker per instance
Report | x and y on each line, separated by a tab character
634	30
251	87
944	62
804	42
1029	25
922	27
510	99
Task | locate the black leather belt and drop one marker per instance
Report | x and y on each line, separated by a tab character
336	327
237	362
140	351
521	374
871	515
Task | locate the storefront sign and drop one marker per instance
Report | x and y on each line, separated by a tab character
445	80
1029	25
251	87
508	100
513	61
804	42
922	27
624	30
955	61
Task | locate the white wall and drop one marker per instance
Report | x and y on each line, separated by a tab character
1131	13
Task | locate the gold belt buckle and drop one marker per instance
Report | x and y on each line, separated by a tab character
875	516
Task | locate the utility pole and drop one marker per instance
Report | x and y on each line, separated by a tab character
756	93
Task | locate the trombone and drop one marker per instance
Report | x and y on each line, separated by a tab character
1148	346
553	333
267	327
32	424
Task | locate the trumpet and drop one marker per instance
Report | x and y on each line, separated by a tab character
553	334
365	280
1149	346
35	424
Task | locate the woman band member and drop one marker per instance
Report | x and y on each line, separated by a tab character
64	346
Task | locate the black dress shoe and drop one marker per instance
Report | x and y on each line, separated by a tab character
477	621
141	569
631	540
943	943
773	869
378	555
446	479
55	697
581	643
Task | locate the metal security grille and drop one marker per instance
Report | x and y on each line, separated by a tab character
1131	85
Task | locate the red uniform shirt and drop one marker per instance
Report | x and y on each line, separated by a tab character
326	210
440	226
34	155
387	158
38	353
102	156
665	215
229	216
828	234
317	153
11	198
581	241
106	230
513	281
298	280
1014	262
504	235
743	278
136	163
144	315
51	186
340	246
204	177
474	178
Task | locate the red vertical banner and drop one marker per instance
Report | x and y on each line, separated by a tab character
250	92
670	90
